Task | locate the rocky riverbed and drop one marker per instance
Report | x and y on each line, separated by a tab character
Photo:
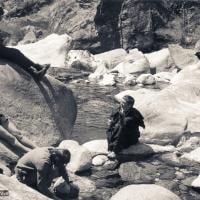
164	168
165	85
94	106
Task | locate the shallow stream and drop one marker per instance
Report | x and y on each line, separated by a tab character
94	107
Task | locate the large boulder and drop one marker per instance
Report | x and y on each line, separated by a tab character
107	80
99	160
98	74
144	192
81	158
84	184
97	147
18	191
140	150
50	50
193	156
171	111
111	58
146	79
182	57
196	183
134	63
188	144
81	59
164	76
138	172
45	109
160	60
143	150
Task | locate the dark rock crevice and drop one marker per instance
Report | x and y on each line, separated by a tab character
107	23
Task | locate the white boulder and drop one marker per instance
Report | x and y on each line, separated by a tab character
81	158
99	160
99	72
132	67
146	79
130	80
171	112
111	58
193	156
160	60
182	57
196	183
107	80
50	50
144	192
97	147
81	59
164	76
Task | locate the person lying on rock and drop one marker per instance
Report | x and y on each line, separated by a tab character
15	56
123	130
40	166
11	134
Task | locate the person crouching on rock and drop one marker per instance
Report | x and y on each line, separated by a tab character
40	166
123	130
13	136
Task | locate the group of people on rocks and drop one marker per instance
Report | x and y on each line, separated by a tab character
40	165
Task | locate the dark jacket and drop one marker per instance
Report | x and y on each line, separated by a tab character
38	162
124	129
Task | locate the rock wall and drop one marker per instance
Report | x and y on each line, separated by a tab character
151	24
100	25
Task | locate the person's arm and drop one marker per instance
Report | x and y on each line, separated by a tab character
43	180
63	172
140	118
113	117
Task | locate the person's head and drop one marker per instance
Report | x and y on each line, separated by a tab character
66	155
3	120
127	102
60	155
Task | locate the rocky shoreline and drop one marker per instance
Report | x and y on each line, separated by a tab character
165	85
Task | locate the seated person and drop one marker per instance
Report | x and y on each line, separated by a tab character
15	56
11	134
40	166
123	130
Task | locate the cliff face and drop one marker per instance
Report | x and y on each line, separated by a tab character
101	25
152	24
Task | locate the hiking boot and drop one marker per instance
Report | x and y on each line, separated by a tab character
39	74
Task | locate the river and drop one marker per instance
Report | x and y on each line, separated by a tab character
95	104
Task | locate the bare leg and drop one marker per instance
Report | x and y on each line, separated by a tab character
19	135
25	141
8	137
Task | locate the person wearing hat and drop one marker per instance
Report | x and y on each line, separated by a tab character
40	166
123	130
